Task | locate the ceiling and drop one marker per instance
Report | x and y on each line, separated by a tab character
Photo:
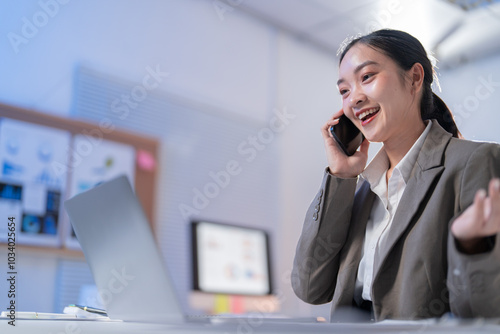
456	31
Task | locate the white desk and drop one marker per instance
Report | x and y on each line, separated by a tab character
243	327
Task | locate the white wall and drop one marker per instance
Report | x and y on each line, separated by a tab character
472	92
307	86
225	62
231	61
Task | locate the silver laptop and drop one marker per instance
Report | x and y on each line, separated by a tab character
128	270
122	254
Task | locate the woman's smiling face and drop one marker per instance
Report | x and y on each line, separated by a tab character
375	96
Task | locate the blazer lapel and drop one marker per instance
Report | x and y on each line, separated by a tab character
362	208
352	251
428	166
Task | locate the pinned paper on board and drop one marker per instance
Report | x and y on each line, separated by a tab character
30	186
102	161
35	199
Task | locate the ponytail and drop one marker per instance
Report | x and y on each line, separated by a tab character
433	107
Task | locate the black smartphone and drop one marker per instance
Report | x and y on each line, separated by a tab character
347	135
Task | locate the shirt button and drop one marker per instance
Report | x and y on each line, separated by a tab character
315	216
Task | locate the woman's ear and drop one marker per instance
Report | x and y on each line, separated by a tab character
417	77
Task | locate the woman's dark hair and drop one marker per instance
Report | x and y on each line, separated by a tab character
406	51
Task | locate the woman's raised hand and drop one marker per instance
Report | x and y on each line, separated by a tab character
339	163
480	220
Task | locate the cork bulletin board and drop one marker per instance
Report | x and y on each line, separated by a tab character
45	159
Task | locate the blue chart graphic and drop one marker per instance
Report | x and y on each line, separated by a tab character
10	169
44	224
53	201
31	224
9	191
50	224
46	177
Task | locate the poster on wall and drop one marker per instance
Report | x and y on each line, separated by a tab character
100	161
31	189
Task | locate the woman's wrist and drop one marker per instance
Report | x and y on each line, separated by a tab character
340	174
473	246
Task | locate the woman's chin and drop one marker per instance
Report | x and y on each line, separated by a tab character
373	138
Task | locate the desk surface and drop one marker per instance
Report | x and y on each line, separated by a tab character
249	326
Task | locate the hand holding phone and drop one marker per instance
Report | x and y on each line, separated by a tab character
347	135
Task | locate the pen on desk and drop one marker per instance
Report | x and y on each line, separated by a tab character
90	309
36	315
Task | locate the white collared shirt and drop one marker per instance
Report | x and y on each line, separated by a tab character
384	207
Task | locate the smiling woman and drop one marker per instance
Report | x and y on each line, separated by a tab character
406	54
417	238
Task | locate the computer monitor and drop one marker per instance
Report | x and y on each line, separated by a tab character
230	259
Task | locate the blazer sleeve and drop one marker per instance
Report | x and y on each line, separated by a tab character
474	280
324	233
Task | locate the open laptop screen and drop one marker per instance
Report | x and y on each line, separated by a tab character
230	259
121	251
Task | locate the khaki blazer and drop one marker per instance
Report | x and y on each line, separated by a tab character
418	271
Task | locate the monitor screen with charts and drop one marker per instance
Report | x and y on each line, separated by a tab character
230	259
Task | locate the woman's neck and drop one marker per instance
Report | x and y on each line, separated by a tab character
397	146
